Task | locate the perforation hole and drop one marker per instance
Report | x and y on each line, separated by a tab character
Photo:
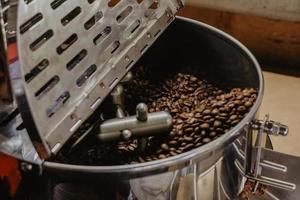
113	83
28	1
57	104
154	5
157	33
115	46
36	70
129	64
71	16
101	36
139	1
134	26
41	40
67	43
76	60
91	1
93	20
144	48
113	3
125	13
30	23
47	87
86	75
55	4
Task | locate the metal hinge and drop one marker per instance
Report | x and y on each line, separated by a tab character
255	164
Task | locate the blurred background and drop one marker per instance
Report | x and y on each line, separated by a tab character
271	30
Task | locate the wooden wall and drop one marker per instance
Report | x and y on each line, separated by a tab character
276	43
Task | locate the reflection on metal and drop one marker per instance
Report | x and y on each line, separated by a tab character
14	141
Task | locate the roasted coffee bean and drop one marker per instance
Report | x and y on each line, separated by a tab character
189	130
199	144
193	79
235	122
215	111
241	109
239	97
188	147
191	120
172	134
131	148
141	159
162	156
217	124
180	133
173	143
212	134
206	140
205	126
183	143
178	151
188	139
192	134
173	153
197	140
172	149
164	147
207	117
200	112
248	104
198	115
195	126
206	112
233	117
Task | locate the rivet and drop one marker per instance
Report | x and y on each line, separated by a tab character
148	35
102	85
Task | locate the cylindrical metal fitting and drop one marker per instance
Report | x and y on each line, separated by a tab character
142	112
157	123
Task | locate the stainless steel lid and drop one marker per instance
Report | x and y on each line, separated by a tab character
73	52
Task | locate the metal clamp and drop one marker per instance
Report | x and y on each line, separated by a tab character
254	162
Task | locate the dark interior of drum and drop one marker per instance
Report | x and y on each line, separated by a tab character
217	60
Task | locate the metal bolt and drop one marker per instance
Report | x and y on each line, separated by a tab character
25	167
142	112
102	85
126	134
149	35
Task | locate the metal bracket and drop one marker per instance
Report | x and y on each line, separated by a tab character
254	162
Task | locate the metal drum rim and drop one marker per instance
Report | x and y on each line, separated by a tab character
185	159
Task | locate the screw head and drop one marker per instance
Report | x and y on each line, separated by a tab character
126	134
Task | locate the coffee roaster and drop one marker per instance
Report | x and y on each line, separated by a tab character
64	62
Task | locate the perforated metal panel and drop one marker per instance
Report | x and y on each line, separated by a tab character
73	53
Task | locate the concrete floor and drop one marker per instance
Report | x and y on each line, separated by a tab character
282	102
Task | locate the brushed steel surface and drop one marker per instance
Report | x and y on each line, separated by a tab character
73	53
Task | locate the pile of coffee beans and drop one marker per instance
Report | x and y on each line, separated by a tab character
201	113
